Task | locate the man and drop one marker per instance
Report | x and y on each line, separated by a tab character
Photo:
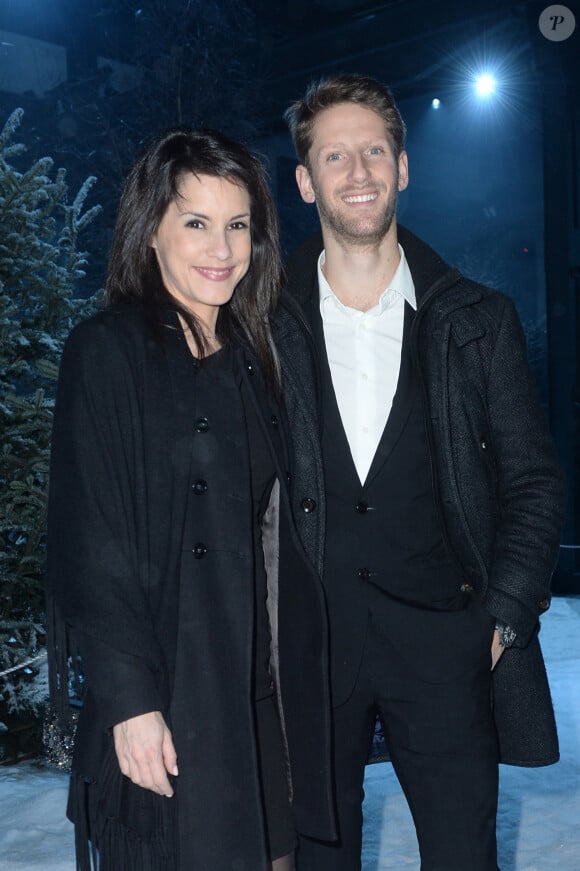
438	526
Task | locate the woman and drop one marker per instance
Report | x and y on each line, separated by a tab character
169	527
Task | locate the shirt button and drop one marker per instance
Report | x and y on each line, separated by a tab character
200	487
201	424
200	550
364	574
308	505
362	507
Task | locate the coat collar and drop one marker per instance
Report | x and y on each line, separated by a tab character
431	274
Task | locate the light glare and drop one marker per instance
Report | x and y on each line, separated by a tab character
485	85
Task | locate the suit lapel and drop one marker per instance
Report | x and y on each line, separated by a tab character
403	400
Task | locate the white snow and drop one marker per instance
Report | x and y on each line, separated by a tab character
539	814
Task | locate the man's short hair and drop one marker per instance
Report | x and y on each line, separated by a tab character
343	88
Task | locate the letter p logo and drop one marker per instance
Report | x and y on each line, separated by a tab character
557	23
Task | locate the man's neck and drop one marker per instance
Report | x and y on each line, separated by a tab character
358	275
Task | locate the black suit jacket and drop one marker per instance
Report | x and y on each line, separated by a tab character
498	486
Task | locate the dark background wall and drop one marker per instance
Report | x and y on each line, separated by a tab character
494	184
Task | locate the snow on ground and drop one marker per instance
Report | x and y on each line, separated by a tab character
539	814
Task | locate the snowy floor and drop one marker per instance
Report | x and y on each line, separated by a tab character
539	816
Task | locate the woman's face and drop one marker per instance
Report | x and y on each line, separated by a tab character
203	244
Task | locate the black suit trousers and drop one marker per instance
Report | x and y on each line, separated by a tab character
426	674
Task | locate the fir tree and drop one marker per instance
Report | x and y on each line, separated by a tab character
40	268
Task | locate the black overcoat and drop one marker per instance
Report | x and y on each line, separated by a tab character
127	440
498	488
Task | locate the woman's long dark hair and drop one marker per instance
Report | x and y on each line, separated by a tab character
151	186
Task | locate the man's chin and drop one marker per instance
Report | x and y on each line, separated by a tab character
361	234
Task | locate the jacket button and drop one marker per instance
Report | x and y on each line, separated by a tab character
364	574
200	487
201	424
362	507
466	588
544	604
274	420
200	550
483	445
308	505
249	367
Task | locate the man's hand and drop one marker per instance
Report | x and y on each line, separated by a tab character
145	751
496	650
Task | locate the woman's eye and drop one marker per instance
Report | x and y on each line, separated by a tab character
239	225
194	224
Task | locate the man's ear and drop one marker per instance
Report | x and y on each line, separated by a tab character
403	170
305	184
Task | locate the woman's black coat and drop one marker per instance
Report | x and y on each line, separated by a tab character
127	440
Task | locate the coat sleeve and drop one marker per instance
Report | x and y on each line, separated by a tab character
94	573
530	486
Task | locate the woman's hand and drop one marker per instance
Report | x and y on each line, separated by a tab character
145	751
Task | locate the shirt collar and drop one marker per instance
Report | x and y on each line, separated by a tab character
401	285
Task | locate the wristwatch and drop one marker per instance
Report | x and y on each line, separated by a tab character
507	635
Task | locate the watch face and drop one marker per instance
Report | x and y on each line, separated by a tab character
507	636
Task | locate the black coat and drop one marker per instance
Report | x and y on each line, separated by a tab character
497	485
127	438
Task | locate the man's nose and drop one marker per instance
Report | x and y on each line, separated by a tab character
359	170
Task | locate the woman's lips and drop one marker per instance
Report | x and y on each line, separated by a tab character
213	273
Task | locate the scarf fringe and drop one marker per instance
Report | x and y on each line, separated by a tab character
61	662
103	840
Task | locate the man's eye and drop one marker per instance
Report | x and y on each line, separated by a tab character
376	149
334	156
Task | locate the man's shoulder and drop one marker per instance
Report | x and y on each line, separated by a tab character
301	268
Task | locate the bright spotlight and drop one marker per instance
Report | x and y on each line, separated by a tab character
436	102
485	85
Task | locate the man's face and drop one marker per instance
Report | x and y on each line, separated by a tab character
353	176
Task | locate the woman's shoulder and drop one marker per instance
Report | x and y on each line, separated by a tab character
109	328
122	319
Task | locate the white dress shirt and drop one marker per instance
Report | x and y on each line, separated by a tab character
364	353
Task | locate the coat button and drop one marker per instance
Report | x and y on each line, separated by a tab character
308	505
200	487
274	420
364	574
544	604
249	367
483	445
466	588
200	550
362	507
201	424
